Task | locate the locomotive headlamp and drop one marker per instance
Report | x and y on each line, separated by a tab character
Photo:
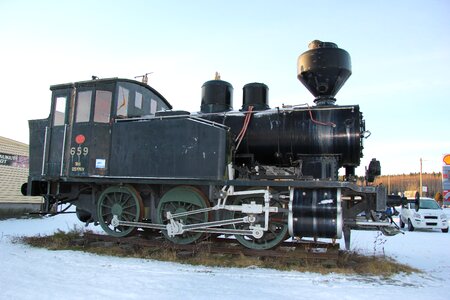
80	139
373	170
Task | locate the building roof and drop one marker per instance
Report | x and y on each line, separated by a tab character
13	147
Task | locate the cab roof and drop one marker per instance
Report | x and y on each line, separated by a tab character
94	82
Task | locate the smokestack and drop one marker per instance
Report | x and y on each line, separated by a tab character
323	70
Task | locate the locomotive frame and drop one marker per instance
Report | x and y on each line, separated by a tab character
116	150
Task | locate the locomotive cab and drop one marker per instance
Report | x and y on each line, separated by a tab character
75	140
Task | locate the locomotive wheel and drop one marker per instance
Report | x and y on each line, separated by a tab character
123	201
182	199
278	225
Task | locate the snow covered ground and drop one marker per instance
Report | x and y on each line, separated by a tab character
27	273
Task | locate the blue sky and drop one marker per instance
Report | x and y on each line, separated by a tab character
400	58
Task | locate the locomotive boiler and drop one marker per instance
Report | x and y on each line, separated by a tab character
116	150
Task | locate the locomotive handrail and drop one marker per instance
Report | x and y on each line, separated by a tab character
149	118
189	117
208	122
63	150
44	152
306	107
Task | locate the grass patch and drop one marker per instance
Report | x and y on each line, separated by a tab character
350	263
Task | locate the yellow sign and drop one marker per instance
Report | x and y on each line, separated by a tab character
447	159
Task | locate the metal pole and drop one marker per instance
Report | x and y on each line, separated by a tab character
389	184
420	178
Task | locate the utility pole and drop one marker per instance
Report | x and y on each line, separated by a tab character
389	184
420	178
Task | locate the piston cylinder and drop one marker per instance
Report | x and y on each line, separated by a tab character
315	213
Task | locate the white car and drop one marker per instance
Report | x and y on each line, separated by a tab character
429	216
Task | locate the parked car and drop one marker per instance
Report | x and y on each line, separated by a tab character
429	216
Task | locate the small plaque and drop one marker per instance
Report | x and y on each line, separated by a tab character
100	163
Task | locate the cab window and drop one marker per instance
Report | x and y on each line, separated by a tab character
102	106
83	106
153	106
134	101
122	102
60	111
138	100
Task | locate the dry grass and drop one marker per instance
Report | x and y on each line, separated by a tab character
347	263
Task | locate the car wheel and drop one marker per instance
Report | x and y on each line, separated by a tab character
402	225
445	230
410	225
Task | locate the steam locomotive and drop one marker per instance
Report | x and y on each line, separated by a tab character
116	150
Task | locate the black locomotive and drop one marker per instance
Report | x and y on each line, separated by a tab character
116	150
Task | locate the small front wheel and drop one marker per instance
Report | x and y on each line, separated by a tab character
445	230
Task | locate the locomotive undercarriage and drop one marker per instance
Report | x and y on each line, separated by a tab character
259	213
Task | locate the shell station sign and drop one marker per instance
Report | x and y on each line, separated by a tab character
446	177
446	159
